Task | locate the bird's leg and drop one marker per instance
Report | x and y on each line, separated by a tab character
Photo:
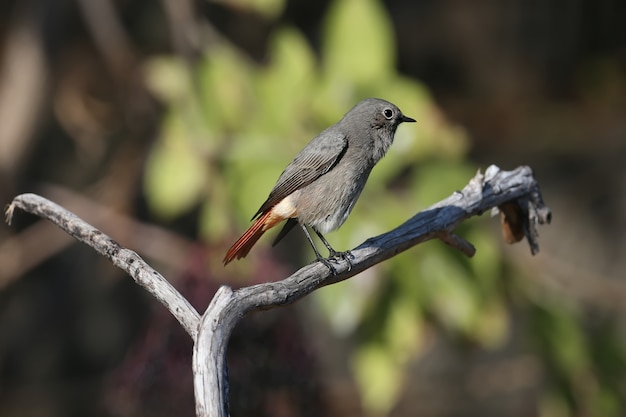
333	253
320	258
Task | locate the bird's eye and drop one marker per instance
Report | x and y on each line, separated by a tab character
388	113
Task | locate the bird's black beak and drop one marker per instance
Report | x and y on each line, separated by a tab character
406	119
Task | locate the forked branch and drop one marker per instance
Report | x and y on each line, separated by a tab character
515	192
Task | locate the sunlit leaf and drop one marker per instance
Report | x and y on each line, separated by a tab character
215	212
286	83
358	43
226	90
168	79
175	174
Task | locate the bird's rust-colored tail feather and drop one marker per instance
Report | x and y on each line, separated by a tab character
243	245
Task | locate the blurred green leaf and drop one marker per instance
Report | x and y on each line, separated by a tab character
175	175
379	378
168	79
449	290
358	42
484	265
435	180
403	332
608	403
215	215
559	330
227	105
285	86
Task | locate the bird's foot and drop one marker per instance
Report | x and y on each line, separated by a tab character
346	256
328	265
336	257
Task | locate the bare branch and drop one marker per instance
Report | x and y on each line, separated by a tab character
123	258
209	354
482	193
516	192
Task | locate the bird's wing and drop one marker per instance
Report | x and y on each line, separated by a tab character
316	159
286	229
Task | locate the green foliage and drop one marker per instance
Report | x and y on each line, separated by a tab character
358	44
175	175
378	374
587	372
230	128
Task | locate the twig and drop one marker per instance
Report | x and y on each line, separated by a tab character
457	242
212	332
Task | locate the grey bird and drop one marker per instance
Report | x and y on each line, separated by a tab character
319	188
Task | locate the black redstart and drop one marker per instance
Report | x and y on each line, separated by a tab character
319	187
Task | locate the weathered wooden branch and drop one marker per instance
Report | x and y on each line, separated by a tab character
516	192
123	258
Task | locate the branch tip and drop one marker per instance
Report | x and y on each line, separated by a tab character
8	213
457	242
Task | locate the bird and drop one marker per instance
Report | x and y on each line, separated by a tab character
321	185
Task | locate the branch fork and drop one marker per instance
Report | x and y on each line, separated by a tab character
515	195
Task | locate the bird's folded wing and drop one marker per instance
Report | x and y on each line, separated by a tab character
316	159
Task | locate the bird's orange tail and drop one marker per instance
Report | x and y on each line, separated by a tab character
243	245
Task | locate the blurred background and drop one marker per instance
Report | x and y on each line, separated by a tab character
166	123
